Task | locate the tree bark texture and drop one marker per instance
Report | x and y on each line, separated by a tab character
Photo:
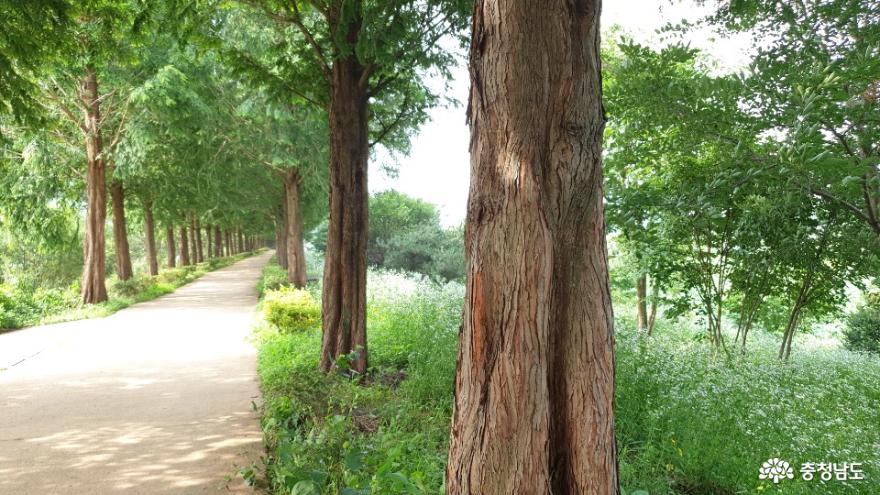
150	235
193	248
172	250
296	254
534	386
93	288
218	241
345	267
120	232
281	237
184	247
198	235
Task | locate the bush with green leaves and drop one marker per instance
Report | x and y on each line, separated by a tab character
862	332
291	309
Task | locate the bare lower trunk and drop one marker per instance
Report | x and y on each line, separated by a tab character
150	235
535	382
169	242
197	228
241	247
296	255
93	287
642	303
345	266
281	237
218	241
120	232
209	248
652	316
184	247
193	248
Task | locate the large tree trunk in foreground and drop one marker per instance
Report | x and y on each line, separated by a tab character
94	289
535	382
169	242
296	254
345	265
184	247
150	234
120	232
642	303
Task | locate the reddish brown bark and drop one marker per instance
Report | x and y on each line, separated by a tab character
296	255
120	232
93	288
535	382
193	248
345	264
150	235
218	241
184	247
197	229
169	243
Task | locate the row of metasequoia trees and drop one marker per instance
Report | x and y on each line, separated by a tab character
281	103
243	133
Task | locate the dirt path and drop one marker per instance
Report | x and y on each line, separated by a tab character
155	399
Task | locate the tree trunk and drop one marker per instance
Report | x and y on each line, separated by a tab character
184	247
94	289
200	248
172	251
208	247
120	233
296	254
150	234
642	303
193	247
535	382
228	238
218	241
652	316
241	246
281	237
345	266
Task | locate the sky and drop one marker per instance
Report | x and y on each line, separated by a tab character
438	167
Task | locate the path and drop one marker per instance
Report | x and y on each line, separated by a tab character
153	400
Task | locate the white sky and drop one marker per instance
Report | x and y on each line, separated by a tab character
438	168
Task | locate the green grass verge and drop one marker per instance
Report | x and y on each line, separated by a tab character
688	421
22	309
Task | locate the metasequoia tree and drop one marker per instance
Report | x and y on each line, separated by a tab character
361	61
535	381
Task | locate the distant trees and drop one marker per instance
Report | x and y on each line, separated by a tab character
736	192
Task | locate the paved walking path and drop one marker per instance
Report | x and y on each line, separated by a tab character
155	399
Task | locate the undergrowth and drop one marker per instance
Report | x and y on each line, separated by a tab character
688	420
21	307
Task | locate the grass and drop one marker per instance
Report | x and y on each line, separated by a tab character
23	308
688	421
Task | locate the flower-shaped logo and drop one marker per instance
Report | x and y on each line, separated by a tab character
776	469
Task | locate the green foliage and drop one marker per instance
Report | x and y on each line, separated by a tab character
386	434
405	234
686	421
272	278
862	332
291	309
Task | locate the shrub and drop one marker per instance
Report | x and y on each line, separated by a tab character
862	331
291	309
274	277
